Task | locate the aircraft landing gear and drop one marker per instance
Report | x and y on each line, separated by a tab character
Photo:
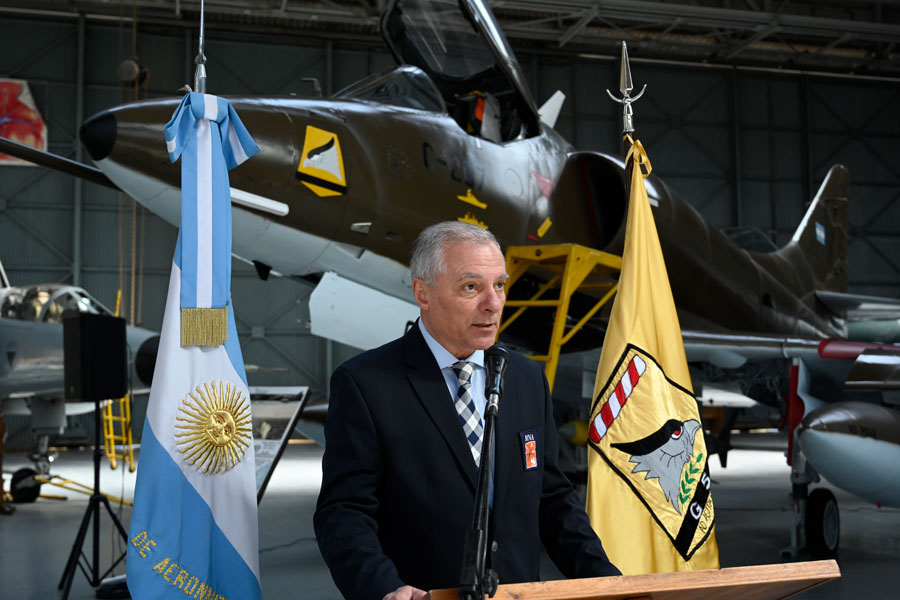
24	487
822	524
40	454
817	521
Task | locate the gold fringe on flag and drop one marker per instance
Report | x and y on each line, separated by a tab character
204	326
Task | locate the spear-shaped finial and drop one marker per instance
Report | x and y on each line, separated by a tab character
200	73
625	86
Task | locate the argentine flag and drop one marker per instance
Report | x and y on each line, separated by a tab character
193	530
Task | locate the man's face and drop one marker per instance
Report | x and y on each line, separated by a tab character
462	309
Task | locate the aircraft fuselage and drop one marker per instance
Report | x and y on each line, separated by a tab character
358	180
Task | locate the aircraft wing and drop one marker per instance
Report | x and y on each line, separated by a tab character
845	364
733	350
31	404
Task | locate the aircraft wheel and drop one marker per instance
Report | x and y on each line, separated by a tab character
24	487
823	523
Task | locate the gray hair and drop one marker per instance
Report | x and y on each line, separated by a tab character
426	262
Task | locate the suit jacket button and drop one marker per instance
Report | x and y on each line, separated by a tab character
495	546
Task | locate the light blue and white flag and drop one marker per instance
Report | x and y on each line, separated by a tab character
194	526
210	138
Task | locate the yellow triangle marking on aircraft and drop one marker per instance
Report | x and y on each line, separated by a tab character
469	198
321	167
472	219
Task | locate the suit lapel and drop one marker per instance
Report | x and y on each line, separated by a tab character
428	383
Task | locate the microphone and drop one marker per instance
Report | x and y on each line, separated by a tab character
496	359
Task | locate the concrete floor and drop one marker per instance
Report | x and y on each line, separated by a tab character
751	499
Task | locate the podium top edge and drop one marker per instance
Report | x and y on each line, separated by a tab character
757	582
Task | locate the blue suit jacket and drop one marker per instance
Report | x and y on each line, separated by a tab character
398	485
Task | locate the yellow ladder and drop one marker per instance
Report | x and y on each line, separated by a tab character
113	435
111	438
567	268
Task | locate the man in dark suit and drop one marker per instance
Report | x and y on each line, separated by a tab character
403	443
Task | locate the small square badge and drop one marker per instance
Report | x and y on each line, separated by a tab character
529	439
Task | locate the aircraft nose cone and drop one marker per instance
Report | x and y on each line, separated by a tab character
855	446
145	360
831	418
861	419
98	134
825	427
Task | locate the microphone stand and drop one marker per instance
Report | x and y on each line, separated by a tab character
476	579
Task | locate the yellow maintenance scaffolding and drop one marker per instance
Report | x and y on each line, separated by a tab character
565	269
117	432
117	424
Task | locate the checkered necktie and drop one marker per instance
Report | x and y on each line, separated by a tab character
465	408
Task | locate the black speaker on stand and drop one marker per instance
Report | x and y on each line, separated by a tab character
96	368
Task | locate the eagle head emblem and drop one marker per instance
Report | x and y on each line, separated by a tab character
663	454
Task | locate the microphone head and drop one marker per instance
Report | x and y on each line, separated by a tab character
496	359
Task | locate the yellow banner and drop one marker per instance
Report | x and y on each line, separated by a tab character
648	479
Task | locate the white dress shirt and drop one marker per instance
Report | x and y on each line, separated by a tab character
445	360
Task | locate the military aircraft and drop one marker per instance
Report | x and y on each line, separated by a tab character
342	185
32	364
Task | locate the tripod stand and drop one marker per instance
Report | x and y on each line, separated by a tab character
92	568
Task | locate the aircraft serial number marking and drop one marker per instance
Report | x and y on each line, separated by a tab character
461	170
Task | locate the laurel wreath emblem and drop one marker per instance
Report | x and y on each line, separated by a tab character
689	477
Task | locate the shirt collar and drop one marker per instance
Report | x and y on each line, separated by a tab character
443	356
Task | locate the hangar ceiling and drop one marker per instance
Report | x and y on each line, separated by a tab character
845	36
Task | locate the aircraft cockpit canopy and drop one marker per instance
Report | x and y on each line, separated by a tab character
462	49
46	303
405	86
750	238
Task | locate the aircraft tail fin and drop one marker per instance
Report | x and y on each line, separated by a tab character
549	111
4	280
822	235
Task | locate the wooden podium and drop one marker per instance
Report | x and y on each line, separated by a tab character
762	582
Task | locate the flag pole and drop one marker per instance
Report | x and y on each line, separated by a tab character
200	73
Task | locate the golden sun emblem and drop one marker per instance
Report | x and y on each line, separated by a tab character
214	427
